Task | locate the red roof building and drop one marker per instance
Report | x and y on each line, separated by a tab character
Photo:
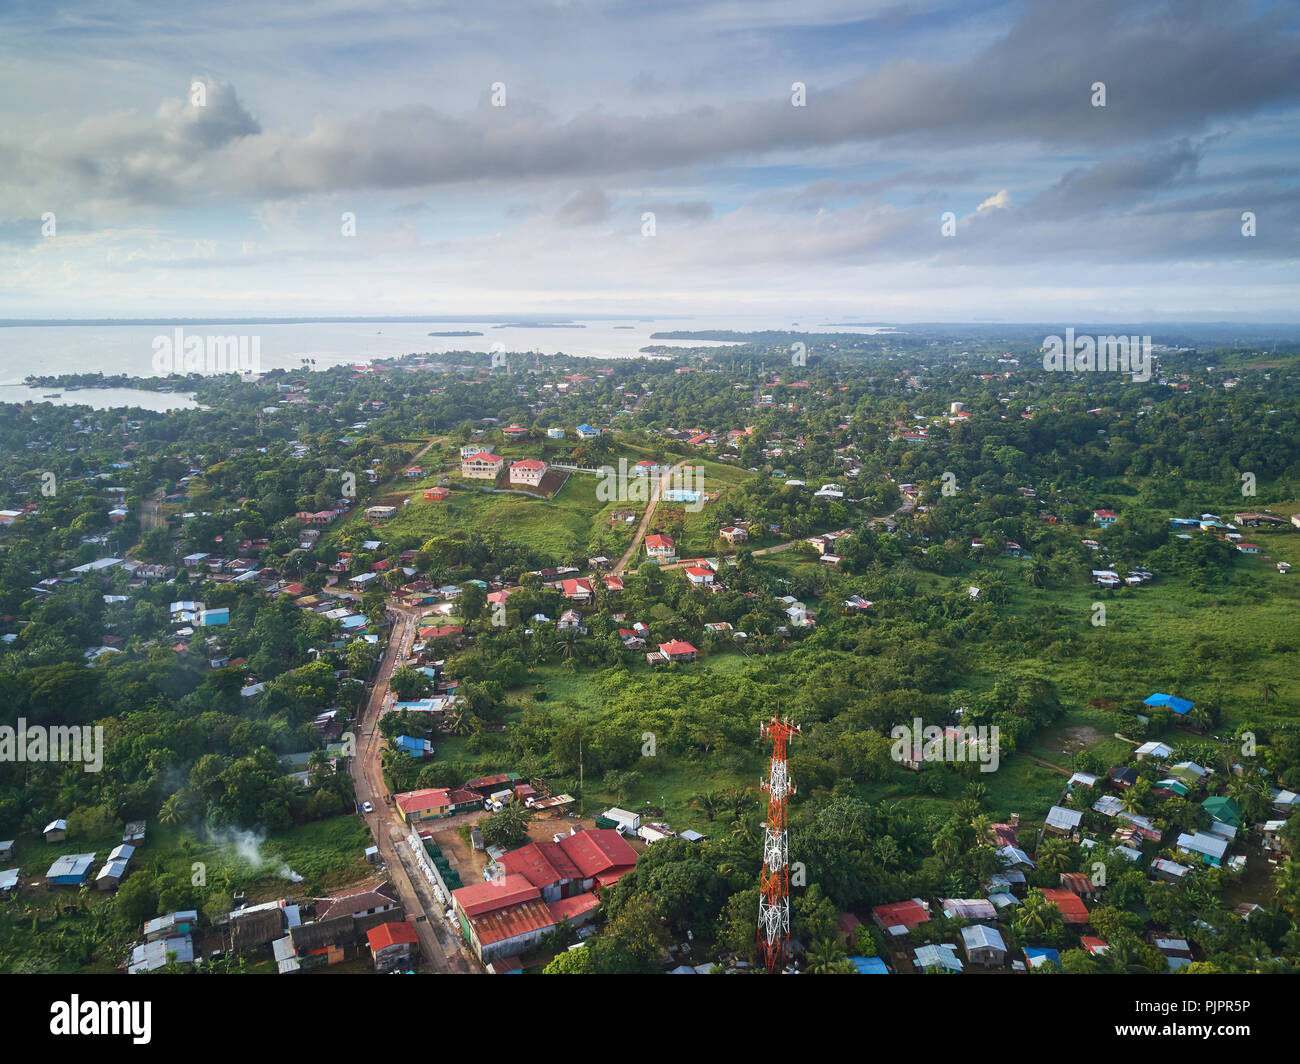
427	804
678	650
480	898
660	546
437	631
601	855
529	471
905	914
1073	910
502	917
573	909
394	934
579	589
392	945
547	867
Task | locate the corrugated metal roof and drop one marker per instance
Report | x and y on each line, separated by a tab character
977	936
480	898
76	865
498	925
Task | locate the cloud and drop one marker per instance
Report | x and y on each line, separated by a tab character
1031	85
912	110
1000	199
585	207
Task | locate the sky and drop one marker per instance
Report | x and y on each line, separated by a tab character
847	160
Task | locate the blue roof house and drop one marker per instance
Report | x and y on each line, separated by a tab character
1178	705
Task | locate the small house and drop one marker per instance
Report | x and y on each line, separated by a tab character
984	946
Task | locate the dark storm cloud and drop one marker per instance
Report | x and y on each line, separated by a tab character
1166	75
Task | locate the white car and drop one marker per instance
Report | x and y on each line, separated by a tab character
366	807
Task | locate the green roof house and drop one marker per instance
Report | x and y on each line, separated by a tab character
1223	810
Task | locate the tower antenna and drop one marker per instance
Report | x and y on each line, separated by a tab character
774	880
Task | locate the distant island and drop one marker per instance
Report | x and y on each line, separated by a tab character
733	335
539	325
465	332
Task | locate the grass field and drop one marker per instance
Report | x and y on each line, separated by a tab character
61	929
571	523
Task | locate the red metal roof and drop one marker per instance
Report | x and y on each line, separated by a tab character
599	851
659	541
529	463
1073	911
568	908
497	925
608	879
418	801
541	863
481	898
386	935
906	913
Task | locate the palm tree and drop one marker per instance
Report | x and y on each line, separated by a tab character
711	803
1035	574
946	845
1036	915
982	830
1054	856
174	810
745	832
1132	798
825	958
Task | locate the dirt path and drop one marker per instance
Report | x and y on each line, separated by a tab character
1046	764
441	951
150	515
655	493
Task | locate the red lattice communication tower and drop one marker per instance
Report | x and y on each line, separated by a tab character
774	880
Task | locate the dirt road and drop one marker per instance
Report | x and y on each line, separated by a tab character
655	493
150	517
442	951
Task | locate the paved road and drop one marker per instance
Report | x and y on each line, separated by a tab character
655	492
442	950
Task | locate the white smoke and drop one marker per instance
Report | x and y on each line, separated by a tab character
247	844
